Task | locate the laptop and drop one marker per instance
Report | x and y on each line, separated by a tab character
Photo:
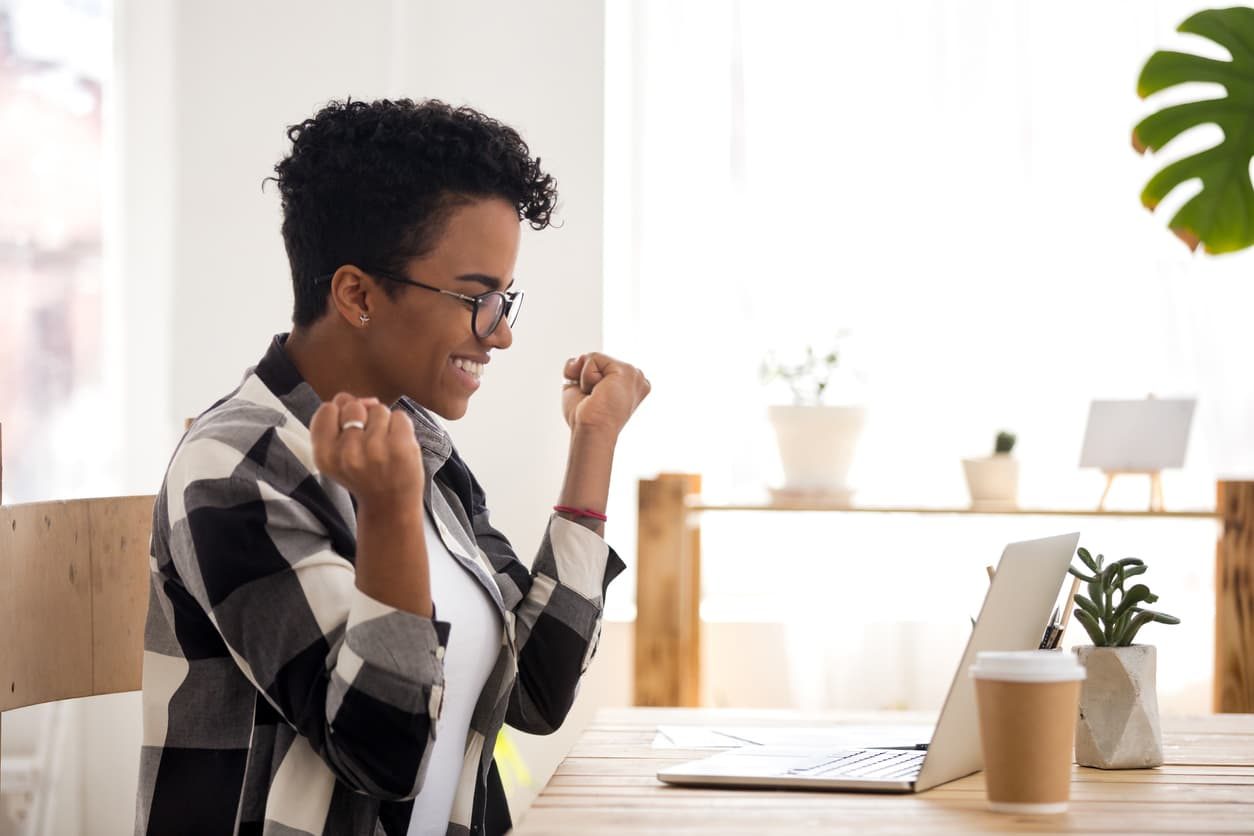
1016	610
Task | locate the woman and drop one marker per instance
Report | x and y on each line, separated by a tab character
336	632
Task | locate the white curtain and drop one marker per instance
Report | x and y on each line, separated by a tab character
954	183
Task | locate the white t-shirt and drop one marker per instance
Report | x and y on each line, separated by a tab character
473	644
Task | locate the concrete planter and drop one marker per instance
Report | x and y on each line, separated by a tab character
1118	726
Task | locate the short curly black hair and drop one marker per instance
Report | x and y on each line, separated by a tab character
373	183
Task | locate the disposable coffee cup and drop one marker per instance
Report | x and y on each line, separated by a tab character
1027	705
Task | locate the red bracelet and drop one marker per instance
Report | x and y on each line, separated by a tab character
580	512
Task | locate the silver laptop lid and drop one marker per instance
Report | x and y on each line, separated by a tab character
1016	608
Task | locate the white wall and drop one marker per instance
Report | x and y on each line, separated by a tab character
203	95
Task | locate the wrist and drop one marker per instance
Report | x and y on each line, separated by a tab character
572	512
595	435
594	522
391	510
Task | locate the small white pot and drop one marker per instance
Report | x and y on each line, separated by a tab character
1118	725
816	447
993	480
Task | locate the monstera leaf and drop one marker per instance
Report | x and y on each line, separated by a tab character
1221	216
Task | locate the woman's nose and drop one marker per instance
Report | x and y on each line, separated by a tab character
502	337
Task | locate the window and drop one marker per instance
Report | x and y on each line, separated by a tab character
55	406
54	59
954	183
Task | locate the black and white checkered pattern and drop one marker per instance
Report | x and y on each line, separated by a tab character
279	698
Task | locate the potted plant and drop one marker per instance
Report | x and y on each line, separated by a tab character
993	481
816	440
1118	724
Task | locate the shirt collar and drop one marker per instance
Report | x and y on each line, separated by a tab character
280	375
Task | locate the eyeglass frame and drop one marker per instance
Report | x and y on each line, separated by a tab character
511	298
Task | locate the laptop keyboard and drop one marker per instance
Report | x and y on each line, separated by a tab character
862	764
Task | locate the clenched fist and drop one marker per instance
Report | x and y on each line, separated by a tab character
601	393
369	449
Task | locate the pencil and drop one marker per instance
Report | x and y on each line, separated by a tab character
1066	610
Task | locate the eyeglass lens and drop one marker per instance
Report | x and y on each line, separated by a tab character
489	311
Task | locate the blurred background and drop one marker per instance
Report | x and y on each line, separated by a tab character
950	182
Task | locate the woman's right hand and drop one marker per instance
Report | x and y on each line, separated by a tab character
380	464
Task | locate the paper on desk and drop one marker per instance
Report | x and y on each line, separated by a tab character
696	737
821	737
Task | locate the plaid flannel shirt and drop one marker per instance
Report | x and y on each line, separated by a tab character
279	698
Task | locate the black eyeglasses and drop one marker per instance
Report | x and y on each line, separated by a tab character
487	309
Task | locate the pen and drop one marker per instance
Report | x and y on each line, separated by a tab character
1051	632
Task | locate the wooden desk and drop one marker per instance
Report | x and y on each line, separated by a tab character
607	785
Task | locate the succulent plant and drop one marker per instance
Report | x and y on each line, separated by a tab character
807	379
1112	623
1005	443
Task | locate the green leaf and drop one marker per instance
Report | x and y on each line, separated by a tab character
1113	628
1132	571
1221	216
1086	578
1087	558
1088	606
1142	618
1136	595
1119	626
1128	633
1119	570
1097	596
1090	626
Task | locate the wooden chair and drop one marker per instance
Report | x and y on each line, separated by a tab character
73	597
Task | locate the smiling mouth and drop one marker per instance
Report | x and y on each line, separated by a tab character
469	368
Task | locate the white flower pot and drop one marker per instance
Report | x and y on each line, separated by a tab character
1118	725
993	481
816	447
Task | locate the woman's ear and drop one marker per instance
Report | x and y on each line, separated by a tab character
351	292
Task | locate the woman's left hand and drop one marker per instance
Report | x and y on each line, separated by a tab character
601	393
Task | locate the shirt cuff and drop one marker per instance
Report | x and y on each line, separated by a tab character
391	651
585	562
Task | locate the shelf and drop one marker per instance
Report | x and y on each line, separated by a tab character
668	577
1198	514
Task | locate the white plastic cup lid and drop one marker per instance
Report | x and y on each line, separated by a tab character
1027	666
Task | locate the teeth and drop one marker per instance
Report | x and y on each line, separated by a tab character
470	366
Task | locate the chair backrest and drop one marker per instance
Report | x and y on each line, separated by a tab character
73	597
